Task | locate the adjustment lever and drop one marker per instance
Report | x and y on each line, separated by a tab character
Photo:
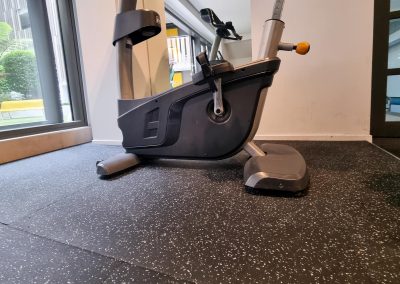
301	48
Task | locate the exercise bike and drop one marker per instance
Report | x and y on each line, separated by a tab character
212	118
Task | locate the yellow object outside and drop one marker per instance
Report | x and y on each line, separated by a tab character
9	106
172	32
177	80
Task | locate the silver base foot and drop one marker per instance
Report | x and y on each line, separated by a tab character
283	169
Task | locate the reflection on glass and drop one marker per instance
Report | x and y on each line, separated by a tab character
394	44
394	5
183	45
393	98
180	56
21	100
59	57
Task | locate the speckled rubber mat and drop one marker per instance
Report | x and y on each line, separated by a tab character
174	221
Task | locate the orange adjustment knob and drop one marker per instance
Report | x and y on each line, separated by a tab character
303	48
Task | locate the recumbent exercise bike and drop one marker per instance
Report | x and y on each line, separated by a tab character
212	118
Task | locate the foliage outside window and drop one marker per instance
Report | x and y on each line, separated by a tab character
18	69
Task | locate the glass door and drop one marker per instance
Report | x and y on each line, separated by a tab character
385	120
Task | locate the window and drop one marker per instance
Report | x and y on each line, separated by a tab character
394	5
40	77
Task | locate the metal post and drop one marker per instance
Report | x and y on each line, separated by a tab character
215	48
278	9
126	5
217	95
42	41
271	38
125	72
272	33
124	49
218	100
253	150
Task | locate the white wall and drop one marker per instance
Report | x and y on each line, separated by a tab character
328	92
99	66
237	52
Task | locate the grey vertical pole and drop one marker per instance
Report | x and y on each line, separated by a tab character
126	5
271	37
217	95
44	52
124	49
215	48
272	33
278	9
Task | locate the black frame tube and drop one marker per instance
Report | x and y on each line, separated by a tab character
127	5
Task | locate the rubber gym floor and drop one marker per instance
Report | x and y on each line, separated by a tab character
195	222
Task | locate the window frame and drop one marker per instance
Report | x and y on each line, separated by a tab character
71	51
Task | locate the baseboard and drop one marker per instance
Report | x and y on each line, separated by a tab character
315	137
32	145
108	142
277	138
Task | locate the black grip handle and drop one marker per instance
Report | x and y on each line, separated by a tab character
230	27
224	30
210	17
208	72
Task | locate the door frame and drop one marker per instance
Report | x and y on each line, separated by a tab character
380	72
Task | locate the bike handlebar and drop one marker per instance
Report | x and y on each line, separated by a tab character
224	30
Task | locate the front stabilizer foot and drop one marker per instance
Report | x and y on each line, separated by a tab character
117	164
